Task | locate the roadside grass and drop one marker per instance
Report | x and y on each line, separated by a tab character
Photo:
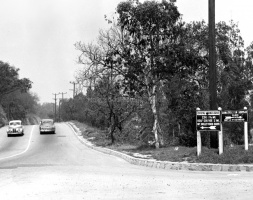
94	135
231	155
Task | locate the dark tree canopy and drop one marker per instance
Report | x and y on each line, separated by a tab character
10	81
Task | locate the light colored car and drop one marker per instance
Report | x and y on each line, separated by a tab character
15	128
47	126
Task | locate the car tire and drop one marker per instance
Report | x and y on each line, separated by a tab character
8	135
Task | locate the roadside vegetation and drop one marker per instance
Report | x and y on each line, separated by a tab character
234	154
140	83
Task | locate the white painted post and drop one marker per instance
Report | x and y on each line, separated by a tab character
198	140
220	136
246	142
198	143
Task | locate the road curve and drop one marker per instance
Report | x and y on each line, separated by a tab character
59	166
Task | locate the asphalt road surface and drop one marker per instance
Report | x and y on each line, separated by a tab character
58	166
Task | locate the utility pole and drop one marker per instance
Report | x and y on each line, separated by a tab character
212	70
60	104
74	88
55	99
212	57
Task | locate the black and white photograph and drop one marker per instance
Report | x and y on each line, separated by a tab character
126	100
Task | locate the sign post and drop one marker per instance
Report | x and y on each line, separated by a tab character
207	120
238	116
246	142
220	137
199	144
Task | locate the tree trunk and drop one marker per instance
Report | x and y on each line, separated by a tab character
160	134
156	125
179	129
112	129
173	134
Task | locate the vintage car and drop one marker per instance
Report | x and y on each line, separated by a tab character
47	126
15	128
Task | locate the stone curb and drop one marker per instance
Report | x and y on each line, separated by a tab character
167	165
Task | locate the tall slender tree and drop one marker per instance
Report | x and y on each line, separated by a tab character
151	44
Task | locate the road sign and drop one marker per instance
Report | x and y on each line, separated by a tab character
208	120
235	115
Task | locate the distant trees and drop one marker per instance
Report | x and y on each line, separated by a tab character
15	97
17	104
10	81
45	110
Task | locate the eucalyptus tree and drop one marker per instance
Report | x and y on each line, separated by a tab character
151	43
234	74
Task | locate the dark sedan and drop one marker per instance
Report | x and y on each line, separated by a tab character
47	126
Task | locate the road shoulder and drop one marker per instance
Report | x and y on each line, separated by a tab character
163	164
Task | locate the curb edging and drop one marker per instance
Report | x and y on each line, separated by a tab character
167	165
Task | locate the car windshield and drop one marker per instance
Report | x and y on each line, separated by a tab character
47	122
15	123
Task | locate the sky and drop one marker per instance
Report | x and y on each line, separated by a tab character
38	36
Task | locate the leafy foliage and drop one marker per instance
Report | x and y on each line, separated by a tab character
9	80
15	97
152	57
17	104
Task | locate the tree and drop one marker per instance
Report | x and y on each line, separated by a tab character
151	45
18	104
9	80
14	95
113	105
100	74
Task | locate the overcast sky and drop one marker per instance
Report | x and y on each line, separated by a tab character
38	36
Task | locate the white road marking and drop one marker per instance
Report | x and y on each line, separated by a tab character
29	143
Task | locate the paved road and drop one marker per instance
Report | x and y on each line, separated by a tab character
58	166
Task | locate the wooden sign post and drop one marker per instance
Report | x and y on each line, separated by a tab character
246	132
211	120
220	137
208	120
238	116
